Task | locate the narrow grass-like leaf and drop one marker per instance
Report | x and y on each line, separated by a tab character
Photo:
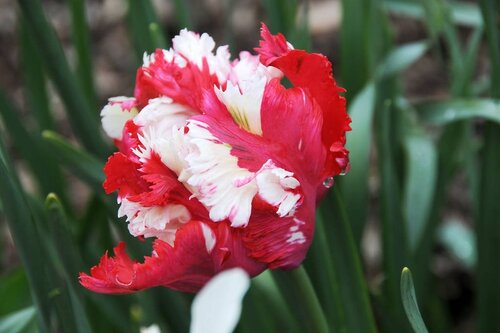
280	15
488	220
33	151
34	80
140	15
157	36
81	39
462	82
364	39
14	291
83	119
394	243
445	112
298	291
460	240
83	165
320	266
265	295
26	238
183	14
462	13
355	186
22	321
347	267
410	302
420	183
401	58
63	241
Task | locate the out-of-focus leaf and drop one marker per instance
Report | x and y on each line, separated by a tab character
83	118
463	13
34	79
14	291
81	39
83	165
401	58
26	238
488	219
22	321
299	293
321	269
421	173
445	112
263	298
353	293
394	235
355	186
460	241
183	14
410	302
34	152
140	15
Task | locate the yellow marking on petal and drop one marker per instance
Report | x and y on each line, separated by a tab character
239	117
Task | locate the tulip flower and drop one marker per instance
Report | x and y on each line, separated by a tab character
219	162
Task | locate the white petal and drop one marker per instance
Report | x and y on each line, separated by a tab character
151	329
162	114
217	307
157	221
244	106
209	237
114	117
207	168
274	187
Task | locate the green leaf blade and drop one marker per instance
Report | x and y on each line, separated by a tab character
410	302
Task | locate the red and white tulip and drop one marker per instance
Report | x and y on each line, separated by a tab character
220	162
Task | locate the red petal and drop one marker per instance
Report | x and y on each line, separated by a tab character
123	175
313	72
185	85
281	242
271	47
186	266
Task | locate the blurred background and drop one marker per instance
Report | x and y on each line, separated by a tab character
422	78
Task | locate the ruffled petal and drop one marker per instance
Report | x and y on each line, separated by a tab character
312	71
186	266
184	85
281	242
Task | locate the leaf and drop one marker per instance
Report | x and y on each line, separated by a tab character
488	219
22	321
345	261
298	292
26	238
14	291
401	58
355	186
420	184
83	165
83	118
217	307
33	152
460	240
445	112
410	302
462	13
34	79
81	40
394	243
